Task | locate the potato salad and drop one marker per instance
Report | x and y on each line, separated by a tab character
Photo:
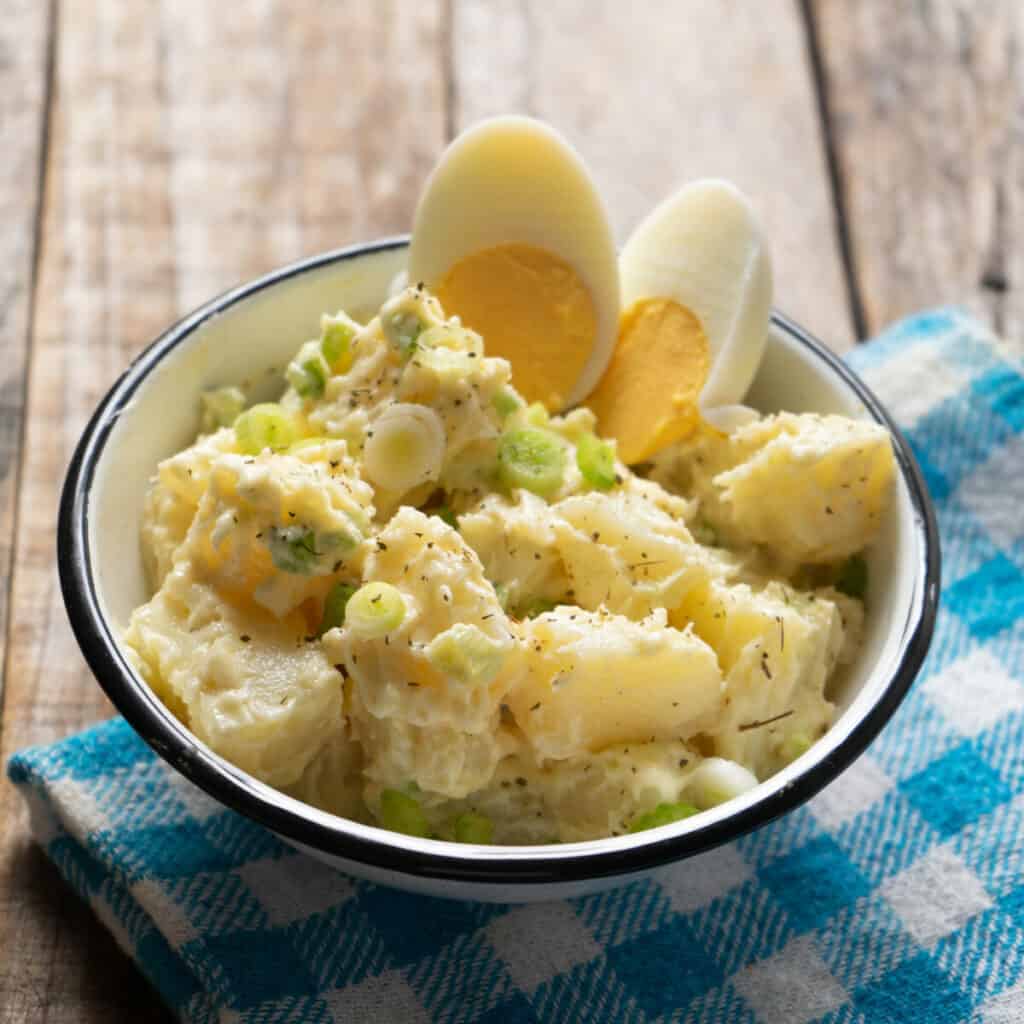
406	596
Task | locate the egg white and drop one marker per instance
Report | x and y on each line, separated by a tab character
514	179
704	248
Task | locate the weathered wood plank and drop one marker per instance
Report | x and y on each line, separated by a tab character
927	102
25	32
191	148
657	93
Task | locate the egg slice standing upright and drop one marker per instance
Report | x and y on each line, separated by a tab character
512	236
696	299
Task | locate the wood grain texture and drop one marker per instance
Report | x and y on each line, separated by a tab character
25	32
927	115
658	93
190	148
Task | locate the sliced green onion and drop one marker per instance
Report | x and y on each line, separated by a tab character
853	577
447	515
402	330
308	371
447	336
532	459
474	828
465	653
705	533
266	425
663	814
220	407
795	746
306	442
334	607
336	334
405	447
536	415
537	607
401	813
374	610
298	549
506	401
293	549
717	780
596	461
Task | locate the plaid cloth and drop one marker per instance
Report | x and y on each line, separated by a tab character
895	895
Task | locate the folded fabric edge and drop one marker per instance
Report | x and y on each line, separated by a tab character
922	327
57	780
133	929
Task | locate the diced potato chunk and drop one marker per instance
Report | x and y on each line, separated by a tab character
813	488
516	542
251	687
806	488
427	694
777	647
596	679
627	554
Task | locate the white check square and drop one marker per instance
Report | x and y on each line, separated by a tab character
1005	1008
791	987
916	381
539	942
986	493
386	997
294	888
862	785
935	895
974	692
698	881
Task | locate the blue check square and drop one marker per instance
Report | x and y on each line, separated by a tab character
955	790
340	945
251	969
1003	391
954	438
918	984
413	927
641	963
989	598
814	882
515	1010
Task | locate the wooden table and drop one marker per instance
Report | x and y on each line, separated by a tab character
155	153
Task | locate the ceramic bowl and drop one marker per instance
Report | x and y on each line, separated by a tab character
249	334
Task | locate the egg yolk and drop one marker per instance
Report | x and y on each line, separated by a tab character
532	309
647	398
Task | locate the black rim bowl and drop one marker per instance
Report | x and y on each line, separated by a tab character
433	859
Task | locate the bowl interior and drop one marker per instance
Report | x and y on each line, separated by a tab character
254	338
248	336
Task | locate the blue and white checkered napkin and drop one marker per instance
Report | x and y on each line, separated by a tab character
895	895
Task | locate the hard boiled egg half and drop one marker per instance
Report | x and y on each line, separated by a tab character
512	236
696	302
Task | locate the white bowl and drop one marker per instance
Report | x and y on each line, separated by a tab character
250	334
